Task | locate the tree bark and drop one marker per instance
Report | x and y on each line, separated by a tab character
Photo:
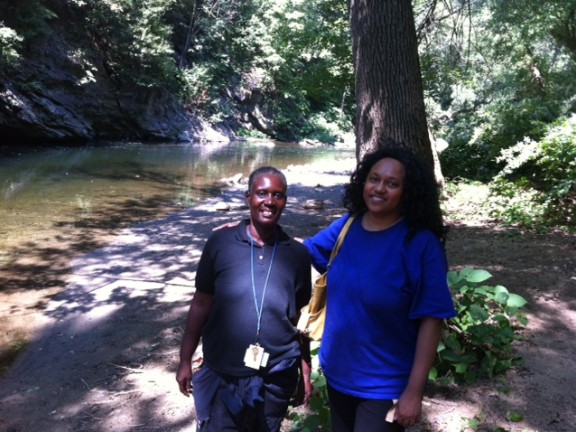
389	92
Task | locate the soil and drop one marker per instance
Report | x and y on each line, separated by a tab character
102	325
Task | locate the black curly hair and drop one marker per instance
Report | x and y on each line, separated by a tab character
420	203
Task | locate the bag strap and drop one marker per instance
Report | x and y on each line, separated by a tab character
340	240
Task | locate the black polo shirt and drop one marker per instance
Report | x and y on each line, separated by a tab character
225	273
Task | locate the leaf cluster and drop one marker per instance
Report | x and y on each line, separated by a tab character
318	417
495	73
536	188
479	340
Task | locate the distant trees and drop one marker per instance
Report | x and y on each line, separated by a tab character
494	73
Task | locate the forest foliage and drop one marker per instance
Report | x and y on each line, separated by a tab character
499	77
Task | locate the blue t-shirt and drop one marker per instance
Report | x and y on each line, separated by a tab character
379	287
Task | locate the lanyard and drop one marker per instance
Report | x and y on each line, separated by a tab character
260	309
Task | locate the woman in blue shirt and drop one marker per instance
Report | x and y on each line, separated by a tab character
387	294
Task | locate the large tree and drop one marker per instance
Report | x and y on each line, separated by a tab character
389	95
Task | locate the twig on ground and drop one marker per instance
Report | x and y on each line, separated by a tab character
126	368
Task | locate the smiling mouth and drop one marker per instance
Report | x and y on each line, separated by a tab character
268	213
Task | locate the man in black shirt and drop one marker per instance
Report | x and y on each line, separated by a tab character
251	282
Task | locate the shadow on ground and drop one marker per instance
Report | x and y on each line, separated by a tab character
106	358
541	269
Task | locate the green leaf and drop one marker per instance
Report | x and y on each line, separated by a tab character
478	313
511	311
451	357
483	290
461	368
453	278
477	276
501	294
452	342
514	416
516	300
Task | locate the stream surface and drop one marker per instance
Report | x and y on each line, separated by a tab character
119	184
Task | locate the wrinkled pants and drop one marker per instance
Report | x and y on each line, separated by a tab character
262	414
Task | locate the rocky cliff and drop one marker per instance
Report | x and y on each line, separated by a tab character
60	91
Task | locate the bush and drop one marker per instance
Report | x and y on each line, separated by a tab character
319	417
478	341
9	43
537	186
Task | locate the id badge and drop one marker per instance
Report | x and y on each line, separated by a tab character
255	357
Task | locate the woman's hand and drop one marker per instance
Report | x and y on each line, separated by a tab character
408	409
225	225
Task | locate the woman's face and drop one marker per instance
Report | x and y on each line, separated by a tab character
384	188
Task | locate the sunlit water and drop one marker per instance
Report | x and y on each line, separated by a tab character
53	188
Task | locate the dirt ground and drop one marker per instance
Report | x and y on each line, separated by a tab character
105	319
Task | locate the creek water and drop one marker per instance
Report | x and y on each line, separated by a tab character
52	189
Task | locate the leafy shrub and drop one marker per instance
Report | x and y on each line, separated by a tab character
325	127
478	341
319	417
518	204
537	186
9	43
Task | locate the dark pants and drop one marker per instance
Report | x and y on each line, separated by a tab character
265	416
353	414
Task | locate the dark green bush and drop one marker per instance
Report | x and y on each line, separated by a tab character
478	341
537	186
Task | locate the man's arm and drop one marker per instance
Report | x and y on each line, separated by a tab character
197	316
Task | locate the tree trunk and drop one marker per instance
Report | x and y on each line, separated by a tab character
389	95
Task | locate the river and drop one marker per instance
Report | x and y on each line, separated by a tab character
52	193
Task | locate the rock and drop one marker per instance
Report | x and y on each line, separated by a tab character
222	206
314	204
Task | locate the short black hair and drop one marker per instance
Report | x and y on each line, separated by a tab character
420	203
266	170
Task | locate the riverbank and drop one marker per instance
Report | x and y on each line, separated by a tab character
105	354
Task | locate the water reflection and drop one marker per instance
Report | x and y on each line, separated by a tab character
119	184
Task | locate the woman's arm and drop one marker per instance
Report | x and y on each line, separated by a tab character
409	408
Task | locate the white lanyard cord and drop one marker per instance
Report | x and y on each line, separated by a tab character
260	309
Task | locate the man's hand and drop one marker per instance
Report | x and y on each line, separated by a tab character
303	393
184	376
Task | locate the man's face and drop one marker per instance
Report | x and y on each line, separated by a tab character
266	199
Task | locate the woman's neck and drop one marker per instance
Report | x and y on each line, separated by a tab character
370	222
